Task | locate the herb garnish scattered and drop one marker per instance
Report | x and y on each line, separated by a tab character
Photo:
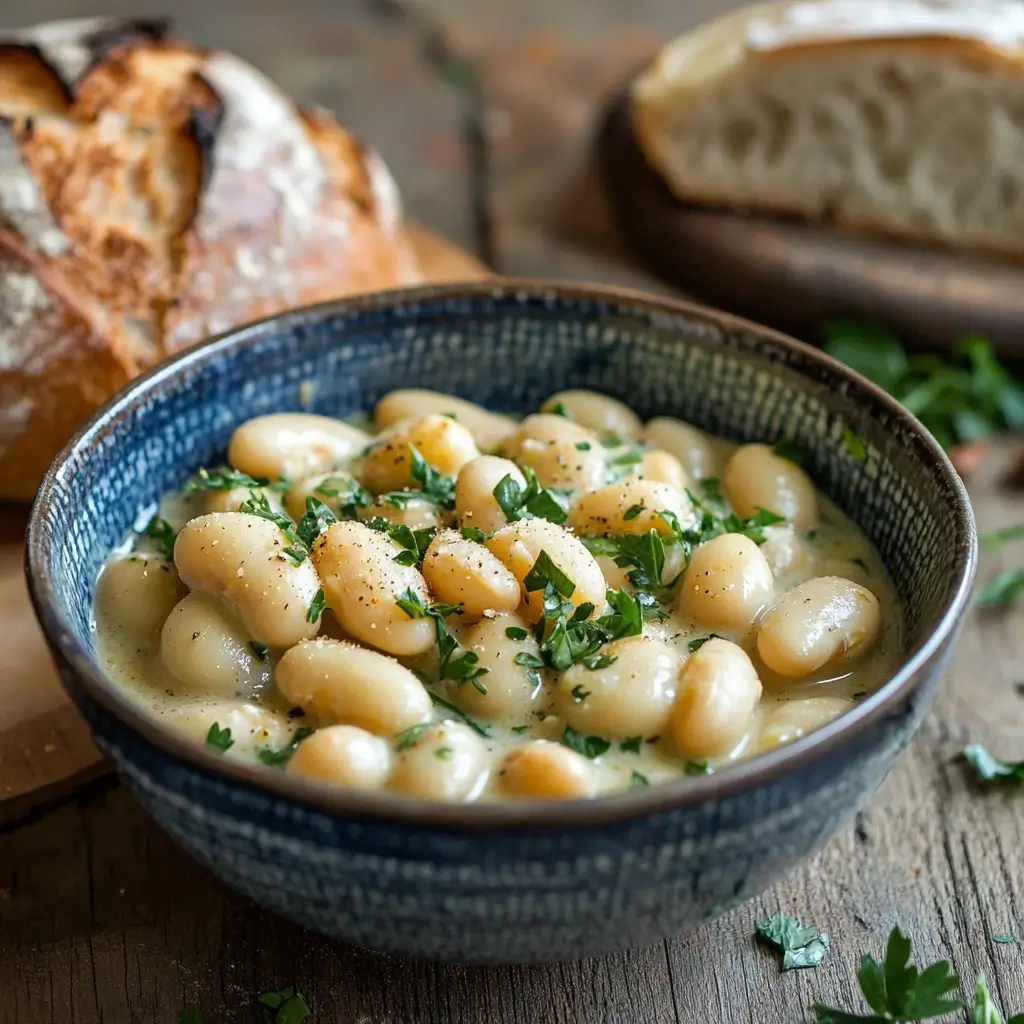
415	543
992	769
638	779
623	464
1002	589
456	662
559	410
529	502
163	533
443	753
588	746
697	768
351	495
516	632
579	694
984	1010
801	945
632	512
456	712
435	486
259	650
225	479
316	606
288	1006
897	991
410	737
258	505
218	738
279	758
472	533
789	450
855	446
696	644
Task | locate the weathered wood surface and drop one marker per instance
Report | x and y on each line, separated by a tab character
103	919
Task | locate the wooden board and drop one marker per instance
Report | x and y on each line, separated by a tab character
794	275
44	746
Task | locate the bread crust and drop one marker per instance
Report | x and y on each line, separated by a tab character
756	41
156	194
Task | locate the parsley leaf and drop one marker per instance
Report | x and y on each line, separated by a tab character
516	632
638	779
456	712
631	745
790	451
855	447
697	768
984	1010
225	479
314	521
435	486
997	538
529	502
415	542
696	644
258	505
259	650
588	746
544	572
220	739
579	694
316	606
991	769
801	945
456	662
558	409
410	737
289	1006
472	533
279	758
163	533
623	464
1002	589
351	496
897	991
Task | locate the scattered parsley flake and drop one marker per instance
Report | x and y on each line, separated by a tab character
350	495
583	446
410	737
631	745
279	758
638	779
855	447
161	531
595	662
696	644
259	650
697	768
224	479
443	753
456	712
801	945
558	409
516	632
434	486
579	694
529	502
472	533
316	606
258	505
588	746
992	769
632	512
218	738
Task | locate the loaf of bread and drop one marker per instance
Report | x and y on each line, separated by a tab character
153	194
904	117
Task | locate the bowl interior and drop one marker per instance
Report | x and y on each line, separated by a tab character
508	347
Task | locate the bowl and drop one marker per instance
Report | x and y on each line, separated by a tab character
519	882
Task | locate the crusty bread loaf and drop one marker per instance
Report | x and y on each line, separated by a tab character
153	194
899	116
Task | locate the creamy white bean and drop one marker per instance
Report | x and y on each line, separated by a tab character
462	607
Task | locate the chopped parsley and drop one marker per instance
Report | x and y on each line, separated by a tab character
558	409
456	662
696	644
443	753
711	489
588	746
992	769
350	495
583	446
456	712
533	666
789	450
579	694
631	745
286	1004
410	737
258	505
279	758
516	632
434	486
259	650
855	447
316	606
472	533
632	512
638	779
1003	589
225	479
220	739
895	991
594	662
623	464
697	768
414	543
801	945
529	502
161	531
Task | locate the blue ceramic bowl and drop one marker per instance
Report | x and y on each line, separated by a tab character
527	882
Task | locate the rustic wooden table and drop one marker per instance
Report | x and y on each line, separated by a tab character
102	919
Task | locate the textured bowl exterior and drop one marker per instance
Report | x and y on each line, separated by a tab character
527	882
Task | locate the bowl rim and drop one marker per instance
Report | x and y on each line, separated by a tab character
397	809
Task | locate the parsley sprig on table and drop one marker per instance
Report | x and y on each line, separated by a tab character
990	768
896	991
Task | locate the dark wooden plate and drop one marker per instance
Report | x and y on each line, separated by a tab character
793	276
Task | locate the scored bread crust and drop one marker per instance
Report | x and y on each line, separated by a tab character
153	194
903	117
